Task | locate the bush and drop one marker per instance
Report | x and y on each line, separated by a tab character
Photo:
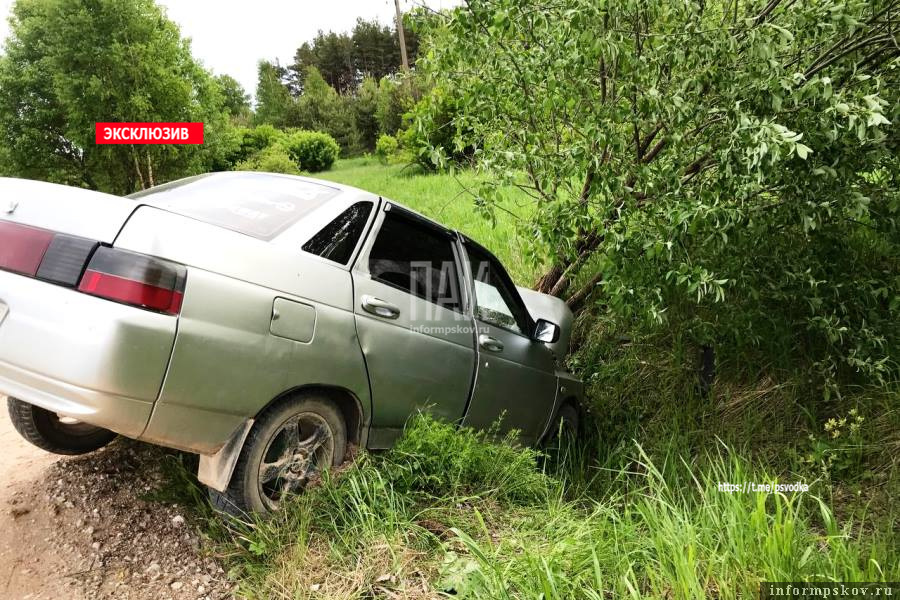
385	147
434	135
438	459
259	138
242	144
396	96
312	150
270	160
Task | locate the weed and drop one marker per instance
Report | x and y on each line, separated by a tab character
435	516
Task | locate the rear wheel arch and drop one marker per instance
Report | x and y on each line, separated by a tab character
346	401
285	447
217	471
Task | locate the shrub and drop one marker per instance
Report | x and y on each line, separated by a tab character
396	96
386	147
259	138
312	150
437	459
434	135
270	160
242	144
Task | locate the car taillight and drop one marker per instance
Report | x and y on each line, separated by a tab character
22	248
65	259
135	279
118	275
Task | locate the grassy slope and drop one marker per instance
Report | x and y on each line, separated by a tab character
446	511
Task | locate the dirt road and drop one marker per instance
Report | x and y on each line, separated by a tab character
84	528
20	531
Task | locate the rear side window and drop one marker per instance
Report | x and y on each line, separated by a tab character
337	240
417	259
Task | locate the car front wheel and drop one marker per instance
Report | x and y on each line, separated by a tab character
290	444
54	433
565	425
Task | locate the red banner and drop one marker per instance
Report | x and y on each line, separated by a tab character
149	133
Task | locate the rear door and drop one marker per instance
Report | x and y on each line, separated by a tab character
409	307
516	380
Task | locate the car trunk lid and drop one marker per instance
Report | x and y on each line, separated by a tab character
74	211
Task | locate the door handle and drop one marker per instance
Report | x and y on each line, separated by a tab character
379	307
490	344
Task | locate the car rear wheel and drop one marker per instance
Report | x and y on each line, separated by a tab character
53	433
290	444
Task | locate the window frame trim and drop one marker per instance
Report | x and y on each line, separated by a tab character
360	262
507	279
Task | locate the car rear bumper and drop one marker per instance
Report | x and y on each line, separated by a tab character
80	356
126	416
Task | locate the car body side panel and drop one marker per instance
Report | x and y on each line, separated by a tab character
568	389
413	371
515	385
227	365
229	362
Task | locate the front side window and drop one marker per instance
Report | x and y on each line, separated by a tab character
337	240
417	259
496	301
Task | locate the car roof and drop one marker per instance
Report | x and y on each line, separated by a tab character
346	194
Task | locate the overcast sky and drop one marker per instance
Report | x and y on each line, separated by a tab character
230	36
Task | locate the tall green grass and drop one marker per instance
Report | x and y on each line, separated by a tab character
451	512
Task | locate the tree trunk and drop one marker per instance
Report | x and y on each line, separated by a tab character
137	168
150	169
577	300
548	280
707	369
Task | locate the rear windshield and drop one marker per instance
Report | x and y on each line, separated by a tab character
255	204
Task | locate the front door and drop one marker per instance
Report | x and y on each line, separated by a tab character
515	383
415	337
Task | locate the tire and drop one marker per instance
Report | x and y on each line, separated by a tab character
322	442
48	431
567	421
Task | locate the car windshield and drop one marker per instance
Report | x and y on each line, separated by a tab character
254	204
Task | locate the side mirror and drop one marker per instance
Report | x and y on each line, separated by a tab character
545	331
